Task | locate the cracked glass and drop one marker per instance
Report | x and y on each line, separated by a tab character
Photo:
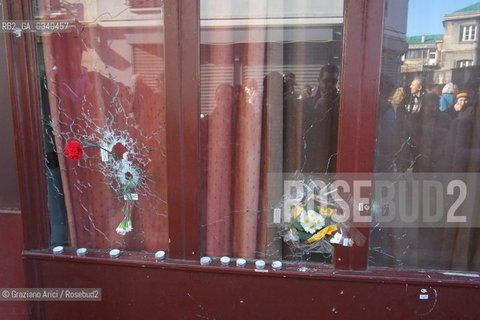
269	114
425	203
103	113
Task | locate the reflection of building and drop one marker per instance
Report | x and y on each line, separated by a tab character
460	41
438	57
423	53
394	31
126	37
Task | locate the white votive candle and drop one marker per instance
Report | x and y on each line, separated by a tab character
160	255
115	253
58	250
205	261
81	252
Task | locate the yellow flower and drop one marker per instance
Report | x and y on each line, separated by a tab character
297	211
322	233
326	211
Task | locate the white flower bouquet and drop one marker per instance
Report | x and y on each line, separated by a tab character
312	228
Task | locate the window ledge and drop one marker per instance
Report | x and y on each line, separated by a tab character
290	270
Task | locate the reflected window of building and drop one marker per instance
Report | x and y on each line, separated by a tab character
464	63
414	54
468	33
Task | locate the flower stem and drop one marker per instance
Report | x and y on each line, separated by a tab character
92	145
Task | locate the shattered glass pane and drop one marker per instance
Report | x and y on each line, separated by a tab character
269	113
428	152
104	124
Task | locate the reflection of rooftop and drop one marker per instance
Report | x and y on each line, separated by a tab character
470	8
468	12
428	38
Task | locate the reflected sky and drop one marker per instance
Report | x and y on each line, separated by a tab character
420	11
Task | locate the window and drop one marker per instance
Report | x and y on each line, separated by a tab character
421	54
432	57
427	162
270	117
468	33
209	120
414	54
264	126
464	63
104	124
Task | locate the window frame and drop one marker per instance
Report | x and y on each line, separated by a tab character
363	35
464	63
470	30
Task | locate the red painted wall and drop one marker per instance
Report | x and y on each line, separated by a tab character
11	264
155	292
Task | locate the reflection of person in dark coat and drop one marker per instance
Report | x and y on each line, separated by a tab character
460	156
320	123
431	135
410	120
387	138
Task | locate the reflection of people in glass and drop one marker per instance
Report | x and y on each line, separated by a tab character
306	91
437	89
398	98
388	142
410	123
431	135
320	117
292	128
460	152
447	99
417	90
289	85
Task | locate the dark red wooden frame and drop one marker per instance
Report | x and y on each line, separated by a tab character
362	51
182	74
362	39
360	81
26	103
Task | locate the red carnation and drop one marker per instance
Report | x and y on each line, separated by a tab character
74	150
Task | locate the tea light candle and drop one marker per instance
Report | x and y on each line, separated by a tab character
81	252
225	261
115	253
277	265
241	262
160	255
260	264
58	250
205	261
